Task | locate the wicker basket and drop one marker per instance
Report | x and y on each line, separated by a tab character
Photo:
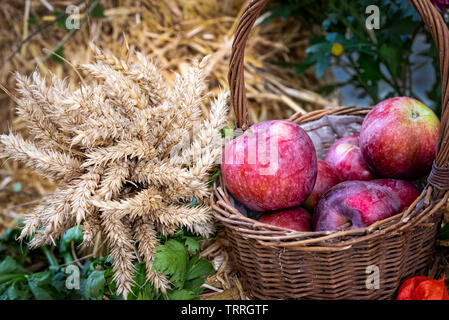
277	263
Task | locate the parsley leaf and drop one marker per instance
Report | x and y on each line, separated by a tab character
171	259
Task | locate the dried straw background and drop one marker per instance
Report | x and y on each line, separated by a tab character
173	32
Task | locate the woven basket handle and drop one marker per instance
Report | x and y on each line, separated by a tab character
236	69
439	177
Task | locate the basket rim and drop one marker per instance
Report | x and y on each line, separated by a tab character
269	235
422	208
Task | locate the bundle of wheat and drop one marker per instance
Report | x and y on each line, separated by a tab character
129	153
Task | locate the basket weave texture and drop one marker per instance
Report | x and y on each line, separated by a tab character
276	263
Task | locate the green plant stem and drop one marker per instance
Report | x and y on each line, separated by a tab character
392	84
359	76
50	256
69	34
356	15
40	30
68	258
7	277
360	35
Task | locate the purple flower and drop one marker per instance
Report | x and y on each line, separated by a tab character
441	5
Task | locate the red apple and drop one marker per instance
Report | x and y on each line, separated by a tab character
399	137
353	205
345	157
404	191
326	178
271	166
297	219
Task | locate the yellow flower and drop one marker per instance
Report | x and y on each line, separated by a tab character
337	49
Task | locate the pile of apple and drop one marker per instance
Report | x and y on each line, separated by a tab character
273	168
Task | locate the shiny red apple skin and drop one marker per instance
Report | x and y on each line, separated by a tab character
297	219
326	178
360	203
345	157
399	137
283	178
405	191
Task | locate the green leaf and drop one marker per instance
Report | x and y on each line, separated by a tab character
140	281
10	235
61	23
10	266
322	66
321	48
182	294
39	285
227	132
109	275
331	19
94	285
179	235
109	259
303	66
369	67
195	285
192	245
280	10
143	289
40	278
171	259
214	177
40	293
17	291
98	11
73	234
32	20
392	58
147	293
3	288
59	51
200	269
335	37
140	274
444	233
14	290
194	202
58	281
